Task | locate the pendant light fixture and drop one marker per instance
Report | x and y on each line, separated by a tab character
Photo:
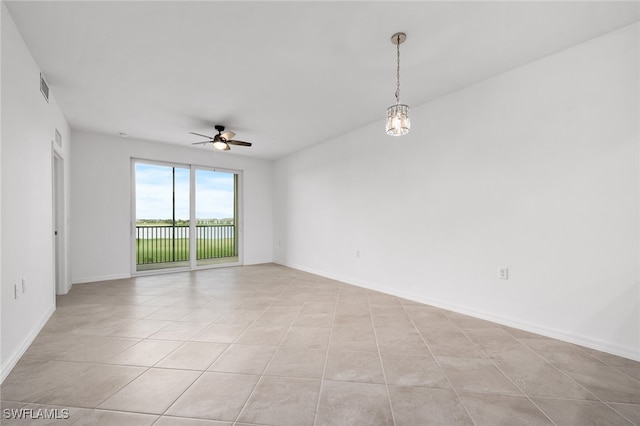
398	122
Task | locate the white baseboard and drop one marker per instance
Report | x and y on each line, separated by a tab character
13	359
258	262
94	279
586	341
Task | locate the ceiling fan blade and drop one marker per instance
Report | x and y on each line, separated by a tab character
240	143
204	136
200	143
227	135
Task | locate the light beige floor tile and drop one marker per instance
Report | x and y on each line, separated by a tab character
179	330
140	329
557	352
263	335
354	339
146	353
407	340
271	317
169	314
468	323
203	315
193	356
421	406
31	378
95	325
215	396
536	377
451	344
491	340
314	319
92	387
70	347
631	372
220	333
503	410
252	309
132	311
413	370
630	412
583	413
307	337
181	421
345	403
152	392
239	316
476	375
612	360
245	359
282	401
104	417
297	361
351	366
312	308
608	383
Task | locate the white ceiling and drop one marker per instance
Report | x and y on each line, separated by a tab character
283	75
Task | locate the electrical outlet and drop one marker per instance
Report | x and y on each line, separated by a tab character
504	273
24	285
358	253
15	291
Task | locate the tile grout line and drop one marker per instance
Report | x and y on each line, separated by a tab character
184	342
326	356
384	375
525	394
261	375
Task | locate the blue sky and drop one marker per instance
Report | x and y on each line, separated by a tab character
214	193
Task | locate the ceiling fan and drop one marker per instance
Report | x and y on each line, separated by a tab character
222	140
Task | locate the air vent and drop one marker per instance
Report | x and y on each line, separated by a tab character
58	138
44	88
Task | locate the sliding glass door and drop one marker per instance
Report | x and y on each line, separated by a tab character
185	216
215	217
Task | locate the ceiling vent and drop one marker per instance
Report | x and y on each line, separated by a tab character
44	88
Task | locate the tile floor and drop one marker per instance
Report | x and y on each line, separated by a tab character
268	345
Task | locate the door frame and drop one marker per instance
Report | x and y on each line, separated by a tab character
60	282
239	219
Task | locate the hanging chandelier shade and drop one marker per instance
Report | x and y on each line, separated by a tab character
398	122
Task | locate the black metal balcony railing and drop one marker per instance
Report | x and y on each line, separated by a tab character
161	244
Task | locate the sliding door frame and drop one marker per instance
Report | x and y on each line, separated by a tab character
238	217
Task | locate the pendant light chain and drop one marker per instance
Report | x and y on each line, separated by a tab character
398	122
398	72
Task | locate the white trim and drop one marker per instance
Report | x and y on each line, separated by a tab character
94	279
13	360
61	282
623	351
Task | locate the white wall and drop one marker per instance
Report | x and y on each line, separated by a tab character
101	202
28	129
536	170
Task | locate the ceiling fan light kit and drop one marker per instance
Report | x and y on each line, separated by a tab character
222	140
398	122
